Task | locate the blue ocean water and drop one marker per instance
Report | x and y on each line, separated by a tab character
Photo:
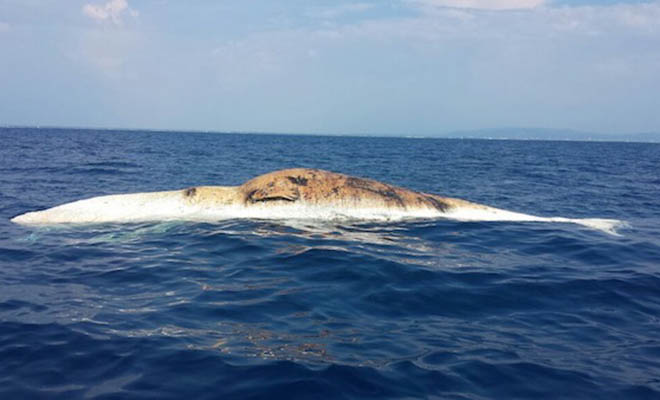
260	309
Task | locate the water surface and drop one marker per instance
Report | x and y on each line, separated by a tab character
265	309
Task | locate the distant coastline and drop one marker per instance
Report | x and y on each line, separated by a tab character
554	134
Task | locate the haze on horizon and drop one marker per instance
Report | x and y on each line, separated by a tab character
399	67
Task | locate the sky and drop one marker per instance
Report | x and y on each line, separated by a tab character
387	67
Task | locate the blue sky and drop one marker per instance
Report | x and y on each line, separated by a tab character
402	67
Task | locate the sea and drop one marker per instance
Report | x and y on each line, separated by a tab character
265	309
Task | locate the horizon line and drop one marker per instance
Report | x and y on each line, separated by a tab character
455	134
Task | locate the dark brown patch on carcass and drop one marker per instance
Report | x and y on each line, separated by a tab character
381	189
259	196
297	180
438	204
190	192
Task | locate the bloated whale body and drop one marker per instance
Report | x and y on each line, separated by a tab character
298	193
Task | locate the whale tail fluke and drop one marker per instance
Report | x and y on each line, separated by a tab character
475	212
22	219
609	226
